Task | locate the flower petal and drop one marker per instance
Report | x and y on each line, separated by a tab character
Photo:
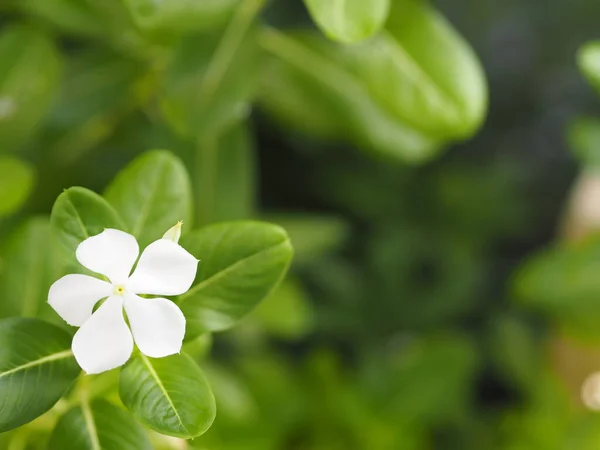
104	341
157	324
111	253
73	297
165	268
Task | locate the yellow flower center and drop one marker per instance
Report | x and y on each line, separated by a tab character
119	290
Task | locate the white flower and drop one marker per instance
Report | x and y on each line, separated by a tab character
104	340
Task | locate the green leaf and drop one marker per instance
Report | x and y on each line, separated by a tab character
424	73
403	93
107	21
349	20
240	264
588	59
79	213
169	395
304	87
152	194
180	16
211	78
96	426
29	268
562	282
224	177
16	182
584	140
36	369
29	74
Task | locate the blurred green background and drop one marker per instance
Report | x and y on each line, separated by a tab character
443	293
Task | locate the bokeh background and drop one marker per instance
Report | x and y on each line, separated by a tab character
450	304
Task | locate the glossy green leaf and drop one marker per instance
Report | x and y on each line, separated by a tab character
36	369
563	283
29	74
180	16
211	78
240	264
169	395
152	194
349	20
224	177
79	213
584	140
589	63
29	268
16	182
98	425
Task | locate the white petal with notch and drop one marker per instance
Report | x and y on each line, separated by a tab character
111	253
165	268
73	297
157	324
104	342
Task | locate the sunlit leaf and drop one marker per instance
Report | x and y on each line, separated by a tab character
589	63
349	20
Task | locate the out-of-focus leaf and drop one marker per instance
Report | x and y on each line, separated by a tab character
286	312
180	16
563	283
349	20
211	78
107	21
16	182
29	266
79	213
36	368
424	73
99	425
589	63
152	194
584	140
312	235
224	176
95	82
514	351
169	395
98	90
411	387
305	87
404	93
242	262
29	74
